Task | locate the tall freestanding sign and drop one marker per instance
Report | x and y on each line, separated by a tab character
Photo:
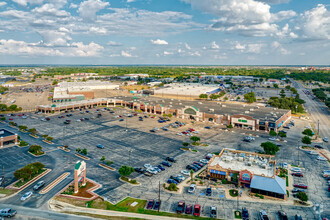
79	175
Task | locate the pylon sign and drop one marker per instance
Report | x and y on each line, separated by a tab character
79	175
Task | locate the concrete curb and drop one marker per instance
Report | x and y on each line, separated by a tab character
54	183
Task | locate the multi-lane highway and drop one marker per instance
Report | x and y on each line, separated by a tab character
317	110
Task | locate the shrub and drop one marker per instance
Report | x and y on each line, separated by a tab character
270	148
125	170
109	162
233	192
133	181
230	126
272	133
172	187
302	196
23	144
185	144
35	149
78	150
49	138
308	132
84	151
102	159
306	140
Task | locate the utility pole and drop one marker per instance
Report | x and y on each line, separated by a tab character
129	157
3	181
318	127
159	195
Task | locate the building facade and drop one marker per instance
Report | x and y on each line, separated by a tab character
7	138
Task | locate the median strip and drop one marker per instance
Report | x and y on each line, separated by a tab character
54	183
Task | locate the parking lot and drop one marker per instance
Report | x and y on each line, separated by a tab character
131	143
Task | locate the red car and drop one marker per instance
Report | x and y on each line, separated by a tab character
300	185
11	119
191	129
298	174
180	207
197	210
188	209
20	115
150	203
184	132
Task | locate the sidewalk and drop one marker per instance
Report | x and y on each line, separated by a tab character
53	204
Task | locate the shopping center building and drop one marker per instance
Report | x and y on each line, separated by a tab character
251	170
245	116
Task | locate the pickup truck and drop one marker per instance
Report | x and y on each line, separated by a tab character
7	212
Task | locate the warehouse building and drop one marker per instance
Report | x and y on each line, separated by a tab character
251	170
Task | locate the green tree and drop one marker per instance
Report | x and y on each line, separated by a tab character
172	187
102	159
3	89
250	97
306	140
33	131
214	96
282	93
302	196
203	96
238	98
12	108
84	151
272	133
44	136
308	132
185	144
191	174
35	149
275	85
282	134
22	127
230	126
270	148
49	138
78	150
288	87
170	115
195	138
55	82
125	170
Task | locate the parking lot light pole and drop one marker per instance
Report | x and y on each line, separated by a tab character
129	157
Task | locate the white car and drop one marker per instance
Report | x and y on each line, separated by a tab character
203	161
272	139
195	132
192	188
43	119
24	117
321	158
185	172
152	170
181	177
26	196
325	139
180	134
313	153
78	120
147	165
296	169
285	165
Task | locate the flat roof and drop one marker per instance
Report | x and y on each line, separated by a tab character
262	113
194	89
6	133
243	160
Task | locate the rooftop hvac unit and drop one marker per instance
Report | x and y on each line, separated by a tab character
171	103
223	106
170	106
171	99
275	108
263	166
246	112
201	103
243	105
249	163
180	103
251	109
211	110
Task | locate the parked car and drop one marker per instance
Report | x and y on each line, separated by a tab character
180	207
147	173
157	169
147	166
282	215
325	139
297	174
152	170
192	188
188	209
170	159
207	127
185	172
296	169
318	146
197	210
7	212
300	185
165	163
272	139
286	127
161	167
209	191
39	185
321	158
263	215
157	205
176	179
245	214
150	204
169	181
26	196
121	119
213	212
139	170
100	146
295	190
298	217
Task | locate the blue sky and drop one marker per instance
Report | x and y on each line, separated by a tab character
191	32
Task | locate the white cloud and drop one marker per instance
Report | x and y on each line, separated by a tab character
114	44
3	4
159	42
248	47
89	8
72	5
315	23
125	54
196	53
59	37
50	10
274	1
25	2
278	47
214	45
240	47
246	17
97	30
89	50
129	1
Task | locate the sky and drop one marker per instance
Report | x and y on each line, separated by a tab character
157	32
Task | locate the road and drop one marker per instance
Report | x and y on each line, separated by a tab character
317	110
32	213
